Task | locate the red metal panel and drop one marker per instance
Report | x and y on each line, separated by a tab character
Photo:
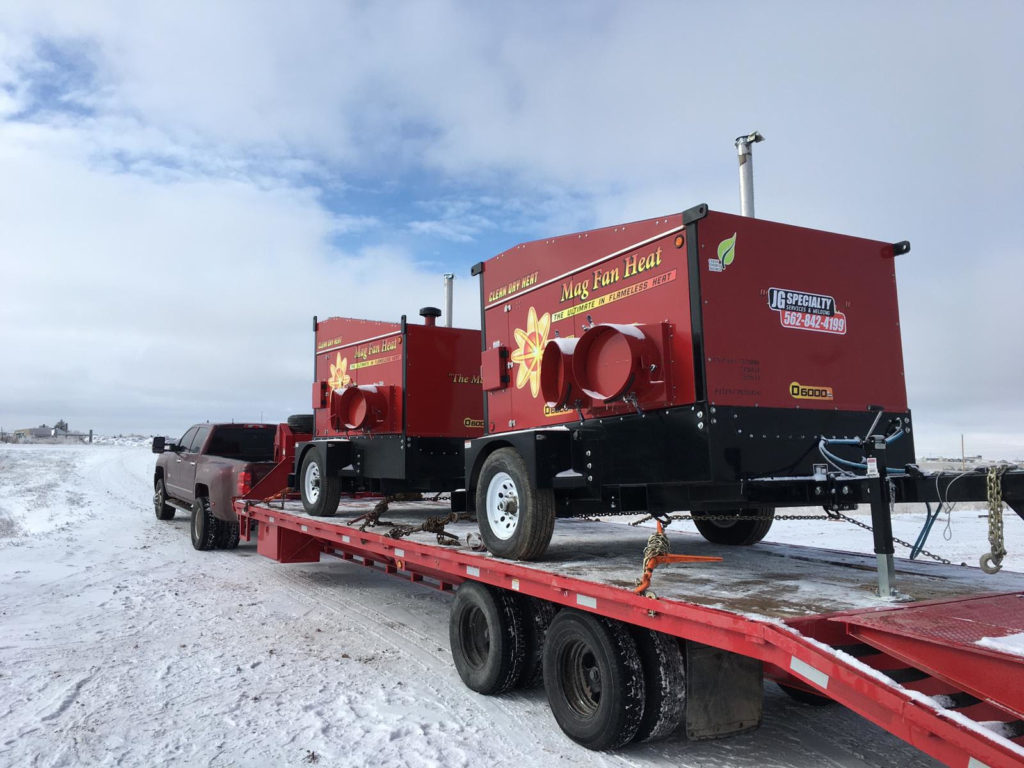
630	274
285	544
443	393
350	352
792	314
434	371
494	368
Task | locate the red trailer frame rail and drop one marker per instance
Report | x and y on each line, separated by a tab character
922	670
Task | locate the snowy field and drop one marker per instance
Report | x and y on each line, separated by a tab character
120	645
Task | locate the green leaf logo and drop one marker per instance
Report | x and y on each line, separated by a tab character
727	250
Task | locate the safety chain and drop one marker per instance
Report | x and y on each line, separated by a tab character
732	518
830	516
992	561
372	519
435	525
657	544
901	542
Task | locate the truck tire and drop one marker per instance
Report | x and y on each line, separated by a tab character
301	423
741	533
665	682
593	679
205	527
164	511
227	535
485	628
537	616
516	520
320	492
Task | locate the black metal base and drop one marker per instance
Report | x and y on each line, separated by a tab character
391	464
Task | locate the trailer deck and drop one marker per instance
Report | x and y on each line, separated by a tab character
942	670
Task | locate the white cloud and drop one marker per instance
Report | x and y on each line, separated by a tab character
216	128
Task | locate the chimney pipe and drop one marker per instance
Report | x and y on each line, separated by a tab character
449	280
430	315
745	150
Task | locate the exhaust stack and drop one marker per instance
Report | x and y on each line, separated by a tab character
449	280
430	315
745	150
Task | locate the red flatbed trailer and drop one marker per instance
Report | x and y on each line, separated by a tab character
806	618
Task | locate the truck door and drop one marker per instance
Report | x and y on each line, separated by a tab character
175	472
189	458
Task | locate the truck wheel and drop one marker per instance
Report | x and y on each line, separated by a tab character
516	520
164	511
301	423
228	534
537	616
665	682
485	629
594	680
320	492
205	527
734	532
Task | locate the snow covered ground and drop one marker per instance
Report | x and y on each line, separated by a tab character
120	645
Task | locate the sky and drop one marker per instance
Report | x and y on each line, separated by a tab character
183	186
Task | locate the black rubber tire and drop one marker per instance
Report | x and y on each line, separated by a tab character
537	616
164	511
328	487
739	533
301	423
227	535
205	527
530	525
665	682
593	679
485	628
806	697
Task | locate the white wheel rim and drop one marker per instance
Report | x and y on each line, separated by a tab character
311	482
502	506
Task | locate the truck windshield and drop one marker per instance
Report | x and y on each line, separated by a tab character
246	443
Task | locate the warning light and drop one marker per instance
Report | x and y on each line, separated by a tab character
680	241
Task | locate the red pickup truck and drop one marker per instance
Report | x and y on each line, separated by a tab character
202	471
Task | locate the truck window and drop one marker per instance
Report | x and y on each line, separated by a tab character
200	438
186	439
240	442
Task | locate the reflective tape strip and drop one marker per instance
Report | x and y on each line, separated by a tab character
346	539
270	519
399	553
586	601
472	570
303	528
515	584
805	670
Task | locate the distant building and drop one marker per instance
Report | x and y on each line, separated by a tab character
58	433
34	433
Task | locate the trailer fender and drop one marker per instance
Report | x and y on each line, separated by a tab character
335	455
545	452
